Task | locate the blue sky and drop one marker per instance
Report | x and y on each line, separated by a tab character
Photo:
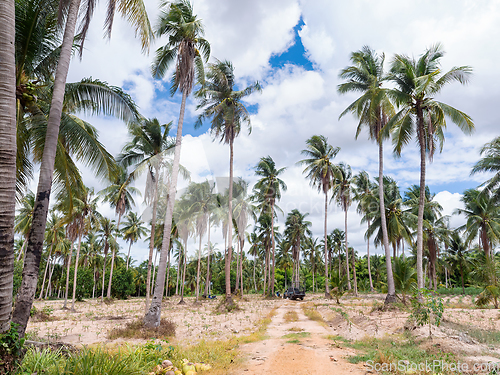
295	49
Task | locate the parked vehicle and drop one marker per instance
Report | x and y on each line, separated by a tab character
295	293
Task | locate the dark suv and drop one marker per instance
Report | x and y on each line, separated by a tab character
295	293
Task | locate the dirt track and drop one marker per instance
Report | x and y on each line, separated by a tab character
313	354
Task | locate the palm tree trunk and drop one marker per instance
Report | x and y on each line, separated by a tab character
184	274
128	255
421	202
7	159
327	287
67	276
254	281
152	239
111	273
347	252
198	273
178	274
273	242
45	272
391	288
50	279
242	244
152	317
93	280
103	275
23	249
154	267
354	273
207	279
227	266
76	271
237	284
39	219
265	272
368	259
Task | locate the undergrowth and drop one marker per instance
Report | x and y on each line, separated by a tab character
137	330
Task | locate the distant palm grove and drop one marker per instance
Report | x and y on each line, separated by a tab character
56	244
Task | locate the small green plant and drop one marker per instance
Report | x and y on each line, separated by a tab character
11	347
427	308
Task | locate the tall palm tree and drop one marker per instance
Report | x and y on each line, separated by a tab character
24	219
490	162
373	109
342	193
456	257
119	195
363	193
135	12
185	48
269	189
107	232
397	218
133	230
146	151
435	229
483	219
417	83
202	203
320	170
7	159
296	230
220	102
53	234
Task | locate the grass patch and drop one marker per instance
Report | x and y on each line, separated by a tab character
389	351
312	313
296	329
469	291
294	341
297	335
137	330
291	316
489	337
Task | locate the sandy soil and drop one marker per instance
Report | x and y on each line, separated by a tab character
194	322
313	354
355	319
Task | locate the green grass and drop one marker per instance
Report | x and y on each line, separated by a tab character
393	350
294	341
469	291
489	337
297	335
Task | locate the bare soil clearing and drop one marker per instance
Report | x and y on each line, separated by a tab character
312	354
305	349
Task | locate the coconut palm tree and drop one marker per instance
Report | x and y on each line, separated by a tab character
146	151
53	234
23	220
404	276
363	194
342	194
268	189
185	48
397	218
456	256
220	102
202	202
296	230
119	195
417	83
436	227
320	171
7	159
373	109
133	230
483	219
135	12
490	162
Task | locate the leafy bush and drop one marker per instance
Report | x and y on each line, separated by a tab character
122	285
18	276
84	284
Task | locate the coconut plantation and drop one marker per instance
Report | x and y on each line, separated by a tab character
287	187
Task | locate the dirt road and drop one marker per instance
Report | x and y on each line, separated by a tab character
297	347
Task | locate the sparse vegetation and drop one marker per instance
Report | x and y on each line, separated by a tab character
291	316
137	330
